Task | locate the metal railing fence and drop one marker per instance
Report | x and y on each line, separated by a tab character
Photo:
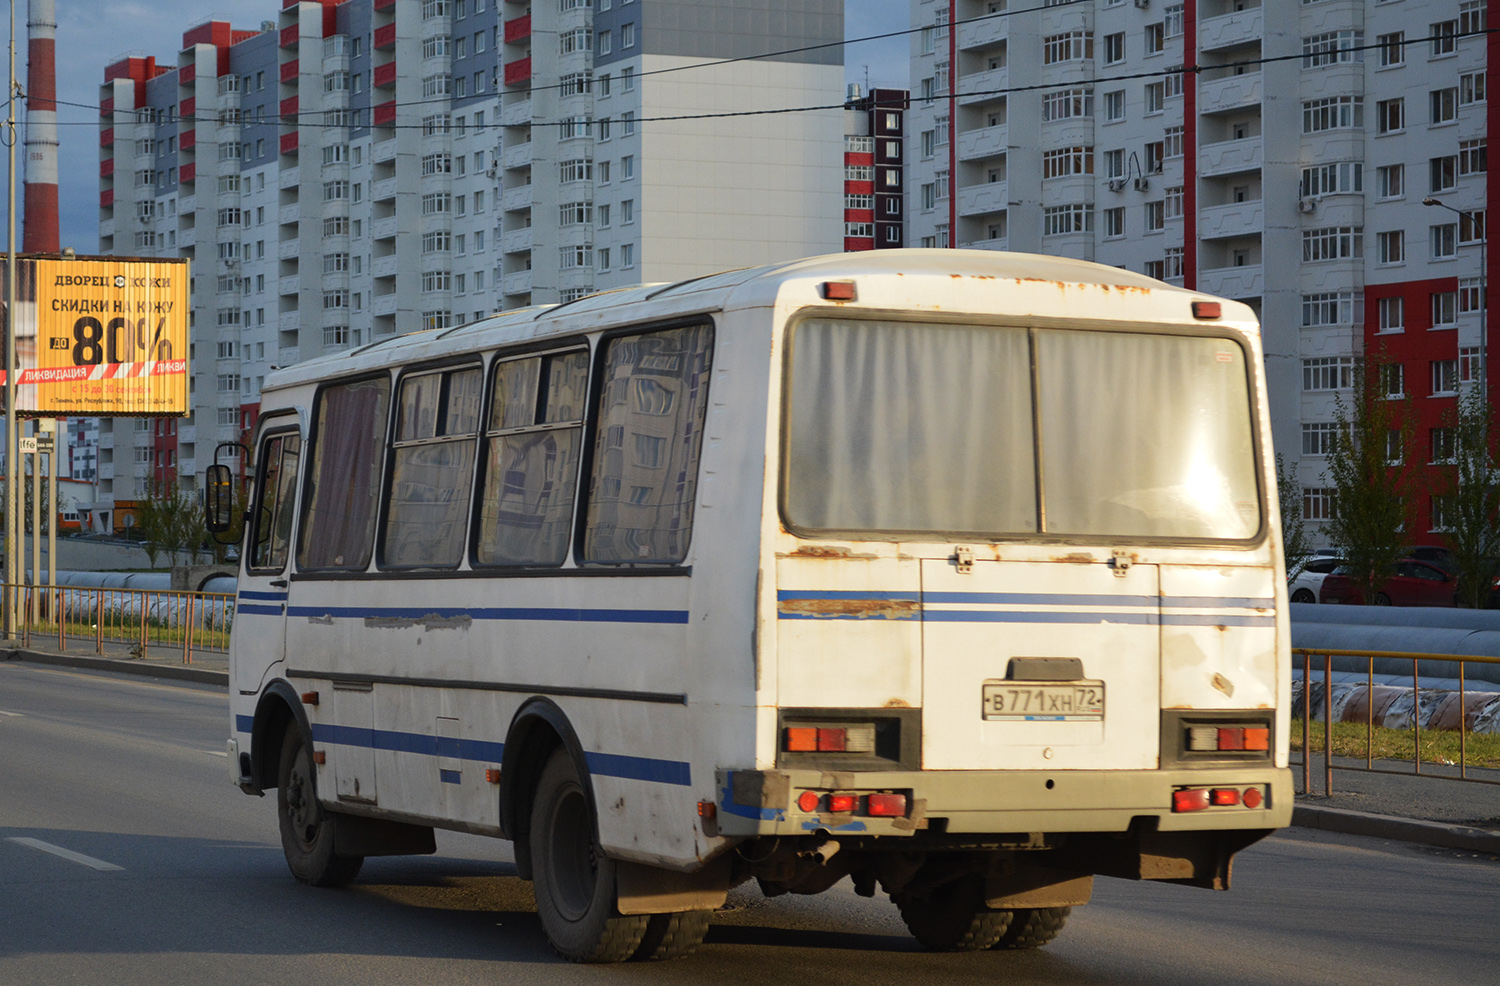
1464	719
138	619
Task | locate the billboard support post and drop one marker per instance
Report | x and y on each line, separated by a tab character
12	552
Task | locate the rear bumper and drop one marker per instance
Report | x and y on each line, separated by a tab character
760	803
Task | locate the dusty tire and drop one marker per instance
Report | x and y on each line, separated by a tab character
574	880
671	936
306	829
1381	599
953	918
1304	596
1034	928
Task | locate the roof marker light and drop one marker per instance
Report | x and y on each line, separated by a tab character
838	290
1207	309
309	698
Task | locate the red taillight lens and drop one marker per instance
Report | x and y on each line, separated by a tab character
1232	738
831	740
801	739
1224	796
1251	797
842	804
886	805
1194	800
808	801
1257	739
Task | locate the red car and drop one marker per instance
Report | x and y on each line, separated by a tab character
1416	583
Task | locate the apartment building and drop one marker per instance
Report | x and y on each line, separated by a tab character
354	169
874	169
1288	169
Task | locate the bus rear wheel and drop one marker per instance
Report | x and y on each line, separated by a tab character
671	936
306	829
574	880
1033	928
953	918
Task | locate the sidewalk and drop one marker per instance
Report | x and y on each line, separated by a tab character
1427	810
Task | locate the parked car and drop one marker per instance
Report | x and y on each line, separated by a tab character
1416	583
1306	577
1437	555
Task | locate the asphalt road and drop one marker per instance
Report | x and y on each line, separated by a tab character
126	857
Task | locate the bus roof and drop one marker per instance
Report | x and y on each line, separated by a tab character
745	287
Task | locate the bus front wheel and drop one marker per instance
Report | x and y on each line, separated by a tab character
306	829
953	918
574	880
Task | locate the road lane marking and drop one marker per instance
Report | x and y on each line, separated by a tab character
13	715
68	854
215	753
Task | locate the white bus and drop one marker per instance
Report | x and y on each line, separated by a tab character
954	573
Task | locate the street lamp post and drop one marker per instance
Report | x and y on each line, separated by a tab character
1477	224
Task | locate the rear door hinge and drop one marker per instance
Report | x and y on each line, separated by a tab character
963	559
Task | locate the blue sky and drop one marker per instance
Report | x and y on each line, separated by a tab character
94	33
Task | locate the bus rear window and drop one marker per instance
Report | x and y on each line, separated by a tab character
923	430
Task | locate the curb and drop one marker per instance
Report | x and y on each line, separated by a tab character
1439	834
175	672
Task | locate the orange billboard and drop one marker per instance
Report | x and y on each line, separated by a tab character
101	336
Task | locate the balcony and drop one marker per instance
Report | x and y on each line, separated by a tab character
385	266
288	215
977	200
516	241
289	322
289	285
983	87
1003	243
516	155
515	114
292	354
1231	93
288	249
289	178
513	199
982	33
384	151
517	282
1220	222
1231	157
384	229
1231	30
1233	282
982	143
384	304
187	238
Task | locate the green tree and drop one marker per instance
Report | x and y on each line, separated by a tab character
1295	544
1370	476
1470	502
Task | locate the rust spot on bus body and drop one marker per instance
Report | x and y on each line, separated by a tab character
826	551
1076	558
860	609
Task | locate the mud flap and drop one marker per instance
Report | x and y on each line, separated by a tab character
357	836
1193	859
645	889
1021	883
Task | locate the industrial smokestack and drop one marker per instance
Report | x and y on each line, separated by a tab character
41	223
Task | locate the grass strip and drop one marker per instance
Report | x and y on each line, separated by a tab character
1438	745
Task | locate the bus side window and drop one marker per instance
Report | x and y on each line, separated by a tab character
648	431
274	498
338	531
532	445
432	468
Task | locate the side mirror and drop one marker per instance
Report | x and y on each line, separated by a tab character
218	499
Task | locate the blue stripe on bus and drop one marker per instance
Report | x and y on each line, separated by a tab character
254	594
793	594
675	772
1016	616
540	614
728	804
244	610
450	776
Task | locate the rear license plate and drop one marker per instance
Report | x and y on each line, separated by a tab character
1043	701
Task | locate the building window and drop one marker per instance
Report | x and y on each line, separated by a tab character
1471	88
1067	161
1067	104
1392	49
1444	238
1443	40
1114	48
1317	503
1468	364
1444	376
1318	437
1441	443
1062	219
1114	222
1333	113
1332	47
1392	312
1331	179
1471	227
1114	106
1328	373
1391	181
1393	384
1071	46
1327	308
1443	105
1155	98
1444	309
1392	246
1156	39
1155	217
1472	157
1390	116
